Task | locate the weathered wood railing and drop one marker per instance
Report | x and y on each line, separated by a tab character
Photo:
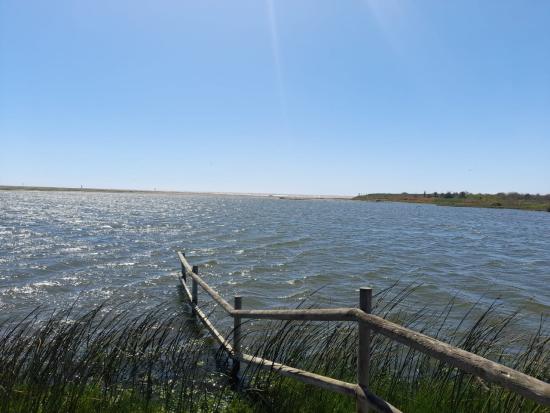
487	370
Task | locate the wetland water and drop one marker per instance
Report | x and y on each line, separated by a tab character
56	247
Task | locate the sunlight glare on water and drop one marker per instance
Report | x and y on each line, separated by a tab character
59	246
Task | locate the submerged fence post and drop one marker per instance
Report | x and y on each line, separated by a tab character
195	290
237	339
363	353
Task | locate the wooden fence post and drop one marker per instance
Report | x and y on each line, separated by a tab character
183	270
237	339
194	291
363	353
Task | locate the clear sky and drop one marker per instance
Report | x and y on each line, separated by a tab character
318	97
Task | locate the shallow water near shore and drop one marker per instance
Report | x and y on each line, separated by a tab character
56	247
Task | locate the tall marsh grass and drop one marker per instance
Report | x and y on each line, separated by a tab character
121	360
105	360
408	379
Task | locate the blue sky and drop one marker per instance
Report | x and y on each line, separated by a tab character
319	97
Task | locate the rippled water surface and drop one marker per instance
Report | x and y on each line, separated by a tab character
58	246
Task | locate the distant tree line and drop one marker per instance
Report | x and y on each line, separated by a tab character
516	195
500	200
503	195
465	194
448	195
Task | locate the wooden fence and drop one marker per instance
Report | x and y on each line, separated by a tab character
368	323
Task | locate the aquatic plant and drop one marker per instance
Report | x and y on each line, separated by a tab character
408	379
116	359
106	359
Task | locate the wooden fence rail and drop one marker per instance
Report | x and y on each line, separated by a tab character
488	370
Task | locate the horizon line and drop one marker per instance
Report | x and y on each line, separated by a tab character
234	193
164	191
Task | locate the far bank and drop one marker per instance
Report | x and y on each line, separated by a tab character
511	200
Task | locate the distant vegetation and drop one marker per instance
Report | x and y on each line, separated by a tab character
511	200
158	361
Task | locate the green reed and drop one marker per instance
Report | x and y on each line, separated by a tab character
410	380
119	359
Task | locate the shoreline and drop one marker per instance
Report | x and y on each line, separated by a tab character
167	192
539	203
